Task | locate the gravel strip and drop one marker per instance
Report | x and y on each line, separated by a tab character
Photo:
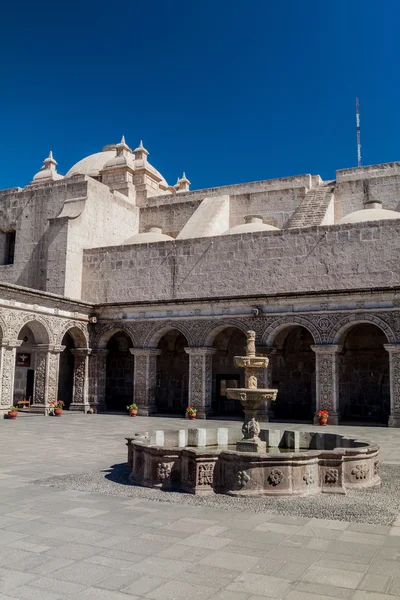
376	506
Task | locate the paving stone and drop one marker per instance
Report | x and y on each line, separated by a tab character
145	584
82	572
268	565
361	595
338	577
340	564
205	541
296	554
164	567
95	593
226	560
394	587
211	576
11	579
389	568
320	589
264	585
61	587
296	595
375	583
229	595
118	580
291	571
180	591
26	592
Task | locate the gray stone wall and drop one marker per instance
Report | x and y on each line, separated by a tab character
297	260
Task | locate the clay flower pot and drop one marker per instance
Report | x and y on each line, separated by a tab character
191	416
57	412
12	414
323	421
133	412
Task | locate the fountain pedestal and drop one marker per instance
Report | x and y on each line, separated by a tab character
251	397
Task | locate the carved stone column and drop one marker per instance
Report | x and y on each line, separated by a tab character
394	374
327	381
47	363
97	378
80	393
8	349
144	379
200	379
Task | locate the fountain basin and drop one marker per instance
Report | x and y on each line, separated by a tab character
197	461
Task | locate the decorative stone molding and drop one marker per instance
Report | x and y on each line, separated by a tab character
144	379
394	374
200	379
278	324
327	380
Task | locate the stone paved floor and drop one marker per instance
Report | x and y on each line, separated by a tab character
57	544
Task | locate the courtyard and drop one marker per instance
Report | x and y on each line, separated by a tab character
71	527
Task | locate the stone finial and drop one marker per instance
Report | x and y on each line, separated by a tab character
123	148
253	219
183	184
251	343
140	152
48	171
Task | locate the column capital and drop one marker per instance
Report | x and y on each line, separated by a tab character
10	343
81	351
392	348
327	348
99	351
200	350
51	348
145	351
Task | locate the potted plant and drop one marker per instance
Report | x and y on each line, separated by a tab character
133	408
90	411
12	412
191	412
323	417
56	408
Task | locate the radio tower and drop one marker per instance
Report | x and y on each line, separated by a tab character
358	133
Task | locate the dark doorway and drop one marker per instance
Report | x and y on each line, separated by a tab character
30	381
172	374
364	386
228	343
293	373
66	372
119	373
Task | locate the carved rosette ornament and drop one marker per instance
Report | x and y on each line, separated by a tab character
360	471
243	478
331	476
275	477
163	471
309	478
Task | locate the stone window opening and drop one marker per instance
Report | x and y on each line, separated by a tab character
7	247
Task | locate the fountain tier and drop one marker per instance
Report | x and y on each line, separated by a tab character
251	397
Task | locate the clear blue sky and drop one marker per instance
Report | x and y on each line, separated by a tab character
226	90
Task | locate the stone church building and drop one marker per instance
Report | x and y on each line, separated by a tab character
118	287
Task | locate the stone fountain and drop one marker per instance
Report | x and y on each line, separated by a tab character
251	396
268	462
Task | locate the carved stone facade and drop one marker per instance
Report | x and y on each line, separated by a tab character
327	322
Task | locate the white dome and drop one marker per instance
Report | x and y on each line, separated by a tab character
369	214
153	235
251	225
93	164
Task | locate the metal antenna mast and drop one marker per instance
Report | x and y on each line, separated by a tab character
358	133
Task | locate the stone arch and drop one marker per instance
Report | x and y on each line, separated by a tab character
77	333
215	328
158	331
39	327
103	336
279	325
338	331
